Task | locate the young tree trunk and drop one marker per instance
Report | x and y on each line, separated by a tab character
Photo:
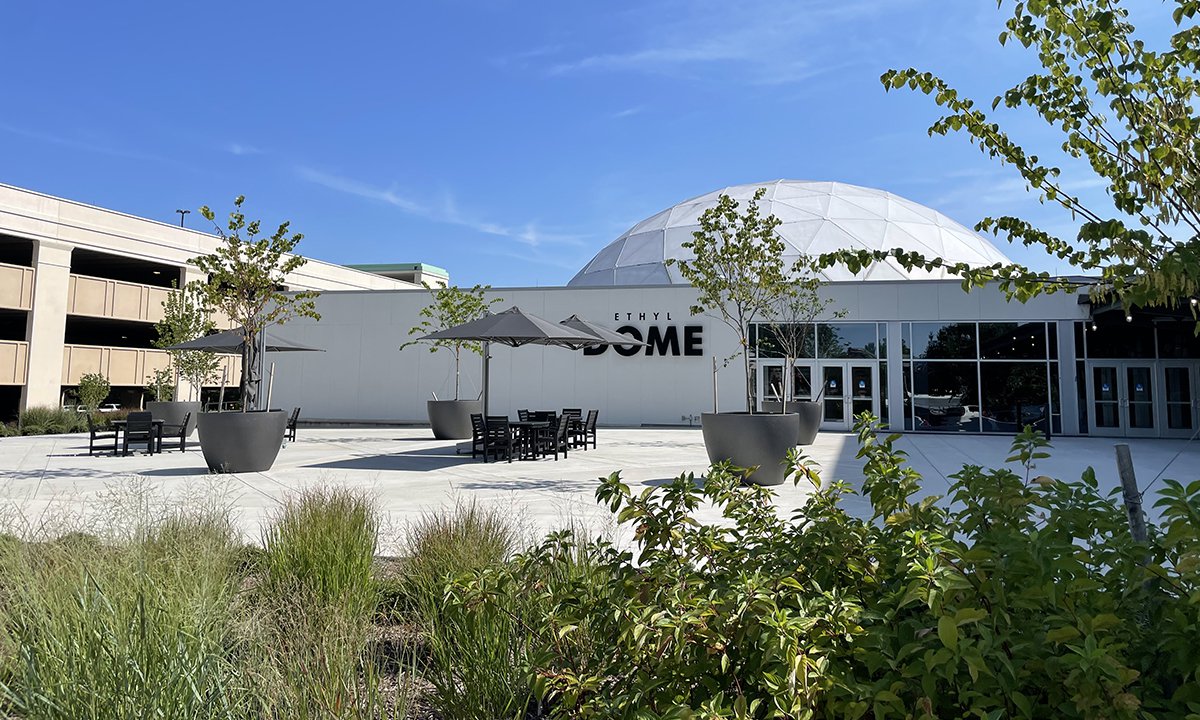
749	382
457	358
250	375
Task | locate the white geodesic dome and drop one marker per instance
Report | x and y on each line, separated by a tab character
818	217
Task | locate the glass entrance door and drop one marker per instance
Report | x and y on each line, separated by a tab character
1179	407
850	388
771	384
1123	398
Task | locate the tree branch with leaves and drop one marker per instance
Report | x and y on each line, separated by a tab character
247	280
452	306
1128	108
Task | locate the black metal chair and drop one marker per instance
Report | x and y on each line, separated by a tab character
95	432
139	428
585	431
497	437
523	415
179	432
478	436
290	433
557	439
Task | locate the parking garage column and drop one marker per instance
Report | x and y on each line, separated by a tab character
47	328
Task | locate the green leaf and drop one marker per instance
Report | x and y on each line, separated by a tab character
947	631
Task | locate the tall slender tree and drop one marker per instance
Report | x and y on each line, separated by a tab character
737	271
247	280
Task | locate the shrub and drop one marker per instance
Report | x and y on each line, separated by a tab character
93	389
477	653
51	421
315	599
133	628
1026	598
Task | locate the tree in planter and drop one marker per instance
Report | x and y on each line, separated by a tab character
246	280
1126	106
794	319
93	388
737	271
187	317
452	306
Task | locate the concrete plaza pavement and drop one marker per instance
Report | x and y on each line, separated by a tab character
51	482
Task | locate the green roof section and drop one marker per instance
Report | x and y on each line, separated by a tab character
378	268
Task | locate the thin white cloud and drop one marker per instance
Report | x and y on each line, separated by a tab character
627	112
80	144
243	149
530	234
768	43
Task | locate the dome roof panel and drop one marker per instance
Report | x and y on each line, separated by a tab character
817	217
641	249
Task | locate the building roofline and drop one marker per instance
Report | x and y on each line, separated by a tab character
399	267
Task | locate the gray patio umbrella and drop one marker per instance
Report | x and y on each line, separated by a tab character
515	327
601	333
230	342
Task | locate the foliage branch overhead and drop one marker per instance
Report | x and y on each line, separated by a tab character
1124	106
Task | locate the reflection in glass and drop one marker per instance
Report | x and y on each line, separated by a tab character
1014	395
1178	386
945	396
1178	340
1104	397
862	389
1124	340
908	393
1141	396
847	340
772	382
883	394
835	406
776	339
802	382
935	341
1012	341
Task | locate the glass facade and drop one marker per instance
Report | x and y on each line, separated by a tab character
822	340
981	377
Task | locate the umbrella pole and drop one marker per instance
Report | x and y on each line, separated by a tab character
270	386
487	356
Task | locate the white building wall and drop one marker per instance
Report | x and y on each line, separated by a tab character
363	375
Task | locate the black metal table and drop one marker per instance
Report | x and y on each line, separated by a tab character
525	436
156	428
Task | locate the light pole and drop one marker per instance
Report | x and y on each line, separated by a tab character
181	214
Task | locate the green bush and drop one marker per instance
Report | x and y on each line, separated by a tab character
51	421
1026	599
134	628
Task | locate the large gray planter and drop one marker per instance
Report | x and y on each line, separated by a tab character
241	442
451	419
751	440
171	413
810	415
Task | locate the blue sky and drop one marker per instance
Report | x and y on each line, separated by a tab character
505	141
